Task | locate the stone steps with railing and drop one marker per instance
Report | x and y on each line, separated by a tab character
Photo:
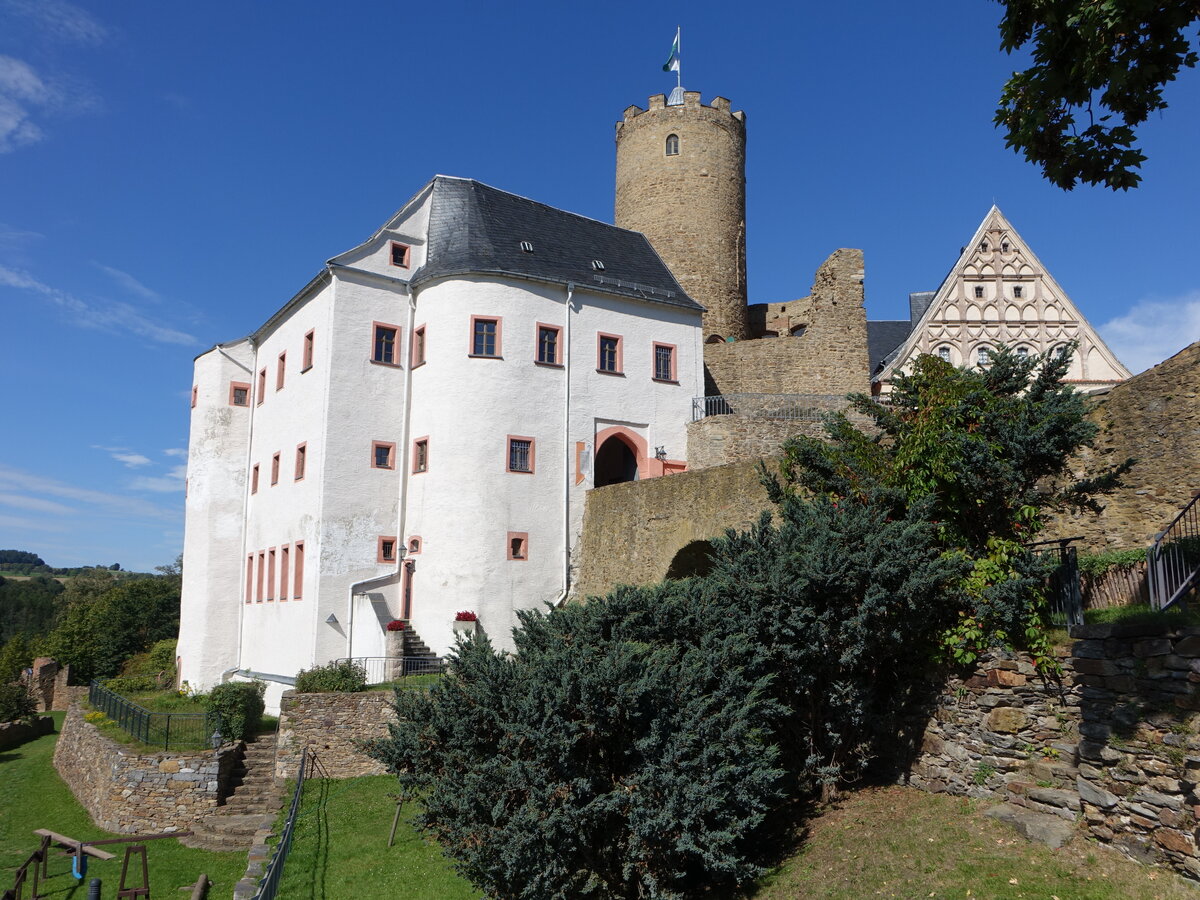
251	806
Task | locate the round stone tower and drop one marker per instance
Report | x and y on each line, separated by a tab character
681	181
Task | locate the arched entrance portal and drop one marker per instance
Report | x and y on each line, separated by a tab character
616	462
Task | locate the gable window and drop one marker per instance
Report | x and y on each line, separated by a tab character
420	455
384	344
307	359
1022	353
984	356
239	393
549	338
301	460
520	454
280	370
608	354
400	255
1017	291
978	291
664	362
262	385
944	352
1004	247
386	549
275	469
383	455
672	147
418	347
518	545
485	336
983	246
254	479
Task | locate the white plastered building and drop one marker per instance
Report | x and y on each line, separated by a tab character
412	434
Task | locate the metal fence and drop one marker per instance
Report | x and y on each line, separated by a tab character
795	407
171	731
1062	581
386	669
1173	561
269	885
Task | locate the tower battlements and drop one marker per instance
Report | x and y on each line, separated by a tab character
691	100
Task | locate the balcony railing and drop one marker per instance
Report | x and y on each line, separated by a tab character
793	407
386	669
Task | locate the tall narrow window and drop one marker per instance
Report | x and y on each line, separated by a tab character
254	479
672	148
275	469
262	572
301	460
307	361
249	577
283	572
195	394
400	255
485	336
262	385
271	574
549	338
520	454
664	362
383	455
420	455
418	348
384	344
280	371
298	576
609	354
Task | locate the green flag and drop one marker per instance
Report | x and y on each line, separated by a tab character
672	63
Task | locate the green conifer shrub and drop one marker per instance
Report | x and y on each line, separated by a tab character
240	706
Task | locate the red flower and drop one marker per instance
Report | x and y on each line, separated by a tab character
395	625
465	616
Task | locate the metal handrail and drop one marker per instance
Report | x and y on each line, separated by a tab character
188	731
385	669
269	885
794	407
1173	560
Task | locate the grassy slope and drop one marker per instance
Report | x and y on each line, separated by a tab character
339	849
898	842
33	796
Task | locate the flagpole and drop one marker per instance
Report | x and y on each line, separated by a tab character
679	68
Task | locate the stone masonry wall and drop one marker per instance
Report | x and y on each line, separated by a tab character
831	356
1115	747
132	793
13	734
1154	417
718	440
334	726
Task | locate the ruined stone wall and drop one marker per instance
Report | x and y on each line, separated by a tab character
13	734
632	531
1154	417
334	726
829	358
133	793
1115	745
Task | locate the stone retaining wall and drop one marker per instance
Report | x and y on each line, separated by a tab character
334	726
13	734
1114	747
133	793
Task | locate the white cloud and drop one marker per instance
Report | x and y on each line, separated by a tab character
19	523
115	317
33	504
27	483
21	92
175	451
1153	330
171	482
61	21
133	460
128	282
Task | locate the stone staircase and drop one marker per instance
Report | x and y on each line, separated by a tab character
252	805
412	647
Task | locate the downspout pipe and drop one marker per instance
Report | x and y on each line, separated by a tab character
567	456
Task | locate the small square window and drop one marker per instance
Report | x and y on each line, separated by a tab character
609	354
384	343
262	385
275	469
984	356
418	348
983	245
239	393
400	254
944	353
548	341
978	291
254	479
383	455
664	362
520	454
414	545
386	549
301	460
308	351
420	455
280	370
1004	247
1022	352
485	336
1017	291
518	545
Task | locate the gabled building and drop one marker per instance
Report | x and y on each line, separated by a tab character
998	292
411	435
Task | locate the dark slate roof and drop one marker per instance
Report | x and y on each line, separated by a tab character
883	338
918	303
477	229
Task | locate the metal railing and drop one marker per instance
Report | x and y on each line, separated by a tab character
1173	560
269	885
38	863
386	669
171	731
794	407
1063	594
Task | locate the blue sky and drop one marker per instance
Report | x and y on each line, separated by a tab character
171	173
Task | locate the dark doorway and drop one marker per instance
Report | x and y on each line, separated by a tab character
615	463
694	559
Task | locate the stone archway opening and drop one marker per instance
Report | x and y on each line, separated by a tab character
616	462
692	559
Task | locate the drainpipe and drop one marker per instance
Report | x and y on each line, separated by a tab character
567	455
402	500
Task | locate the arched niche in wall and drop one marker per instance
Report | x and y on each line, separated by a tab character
692	559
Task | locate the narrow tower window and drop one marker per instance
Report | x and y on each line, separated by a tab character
672	145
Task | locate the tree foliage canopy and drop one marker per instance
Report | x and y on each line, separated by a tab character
1099	69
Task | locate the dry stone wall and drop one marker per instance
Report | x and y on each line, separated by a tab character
1115	746
13	734
133	793
334	726
719	440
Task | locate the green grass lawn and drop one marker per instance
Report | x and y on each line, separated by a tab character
899	842
340	852
33	796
